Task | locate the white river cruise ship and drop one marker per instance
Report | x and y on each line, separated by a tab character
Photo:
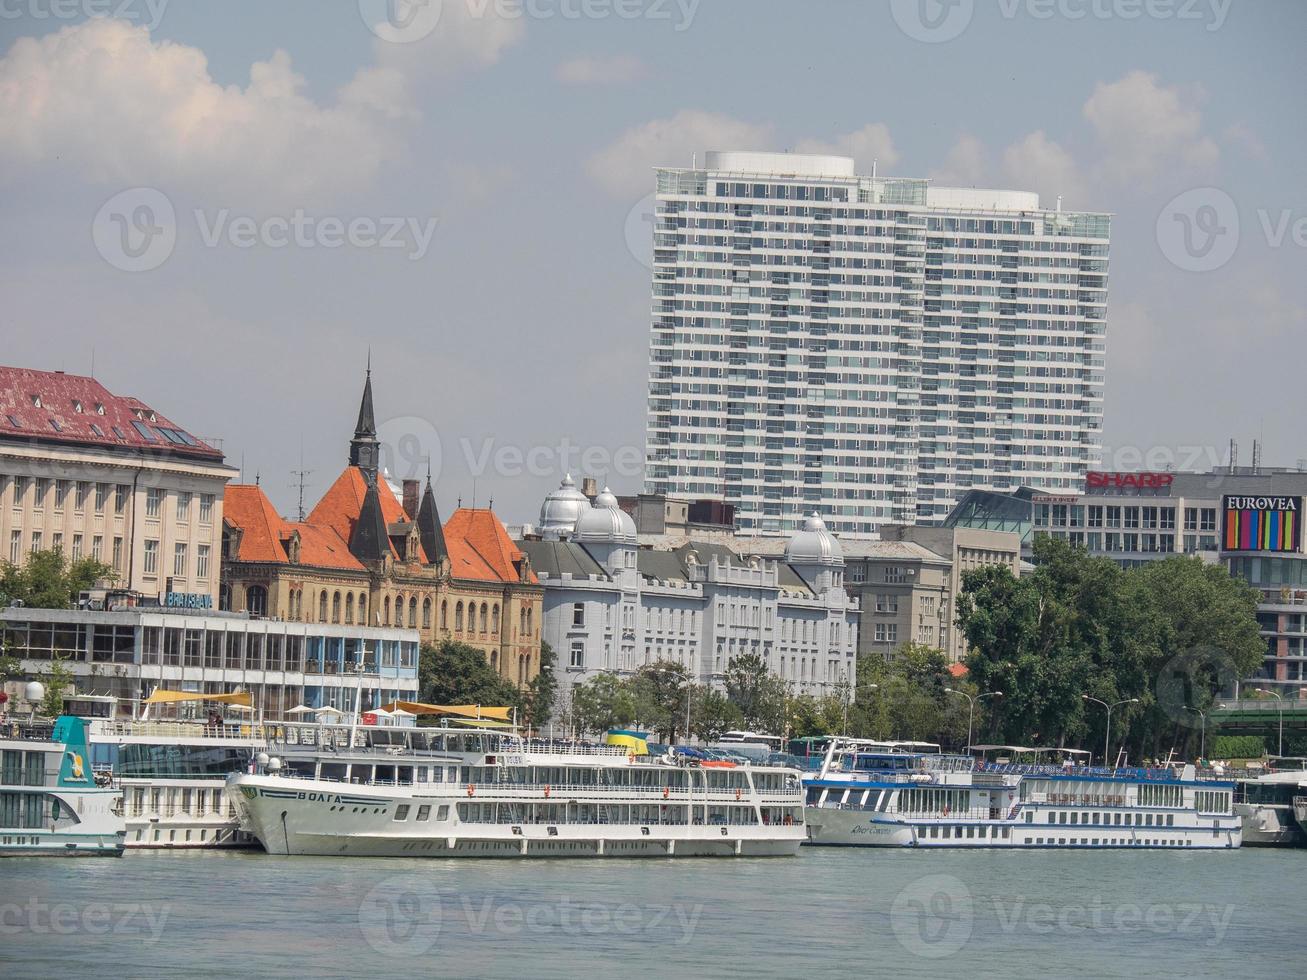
878	794
476	792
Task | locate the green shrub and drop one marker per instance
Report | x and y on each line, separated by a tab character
1238	747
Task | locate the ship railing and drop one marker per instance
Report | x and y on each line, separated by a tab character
1100	772
1091	799
534	791
243	731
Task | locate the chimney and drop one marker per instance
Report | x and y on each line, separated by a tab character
590	487
412	493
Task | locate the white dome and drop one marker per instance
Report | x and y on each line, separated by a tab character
559	512
814	545
606	523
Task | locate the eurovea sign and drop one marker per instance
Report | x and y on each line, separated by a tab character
1128	481
1261	522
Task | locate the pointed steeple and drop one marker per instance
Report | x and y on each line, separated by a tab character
430	533
369	541
364	448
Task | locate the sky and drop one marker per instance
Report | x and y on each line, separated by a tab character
226	207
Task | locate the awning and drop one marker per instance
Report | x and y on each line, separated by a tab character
476	711
160	696
301	709
481	723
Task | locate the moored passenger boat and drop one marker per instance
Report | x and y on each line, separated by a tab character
50	803
1265	805
874	794
445	792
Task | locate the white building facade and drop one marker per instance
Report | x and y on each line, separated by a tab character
611	606
870	348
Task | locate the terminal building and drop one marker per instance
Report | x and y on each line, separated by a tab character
128	652
1249	520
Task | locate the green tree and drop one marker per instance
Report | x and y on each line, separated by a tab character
57	680
713	714
758	693
48	580
604	701
538	699
660	692
455	673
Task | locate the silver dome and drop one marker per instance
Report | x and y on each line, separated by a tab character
562	508
606	523
814	545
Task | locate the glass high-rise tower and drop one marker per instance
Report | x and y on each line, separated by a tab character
868	348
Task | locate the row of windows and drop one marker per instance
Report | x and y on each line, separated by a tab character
76	495
37	542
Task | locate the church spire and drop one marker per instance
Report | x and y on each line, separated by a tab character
368	541
363	448
431	534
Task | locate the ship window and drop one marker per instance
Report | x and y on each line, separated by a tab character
424	811
442	813
401	812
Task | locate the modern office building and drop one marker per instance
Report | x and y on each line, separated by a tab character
868	348
613	606
127	652
1249	520
103	476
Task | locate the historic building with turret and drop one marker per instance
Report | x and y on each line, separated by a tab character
369	556
613	606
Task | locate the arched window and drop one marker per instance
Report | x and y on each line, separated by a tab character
413	612
335	607
385	611
494	618
399	609
530	625
458	618
485	617
349	607
363	608
521	628
256	600
494	661
426	613
322	607
444	615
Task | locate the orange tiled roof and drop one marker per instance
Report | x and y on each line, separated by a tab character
264	534
340	506
480	548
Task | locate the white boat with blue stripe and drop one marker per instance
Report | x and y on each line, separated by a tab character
897	794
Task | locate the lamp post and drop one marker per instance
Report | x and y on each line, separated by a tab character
1107	734
971	712
1262	690
1202	745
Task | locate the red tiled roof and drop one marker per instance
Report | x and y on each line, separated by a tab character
340	506
265	535
480	548
50	406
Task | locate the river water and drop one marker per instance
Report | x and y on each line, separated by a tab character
827	912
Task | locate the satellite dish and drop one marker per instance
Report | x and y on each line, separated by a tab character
35	691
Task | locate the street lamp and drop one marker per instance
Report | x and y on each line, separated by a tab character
1107	734
1202	747
971	712
1262	690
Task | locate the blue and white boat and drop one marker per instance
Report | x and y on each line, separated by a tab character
879	794
50	803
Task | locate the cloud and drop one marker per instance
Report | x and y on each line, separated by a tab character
1037	163
1249	142
966	165
1145	127
870	144
625	167
615	70
105	98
